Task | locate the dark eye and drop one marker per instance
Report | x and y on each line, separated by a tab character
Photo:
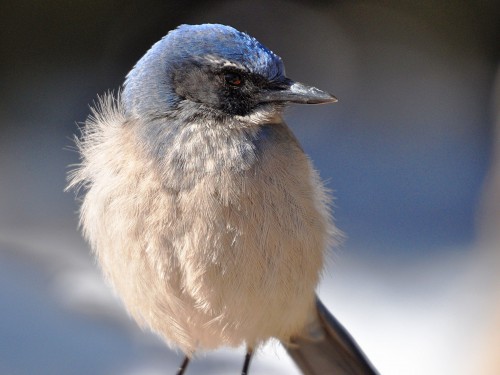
233	79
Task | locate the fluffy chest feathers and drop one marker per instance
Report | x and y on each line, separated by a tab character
215	236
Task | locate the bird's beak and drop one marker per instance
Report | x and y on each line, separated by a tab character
296	92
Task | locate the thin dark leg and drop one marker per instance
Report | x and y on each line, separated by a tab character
183	366
246	364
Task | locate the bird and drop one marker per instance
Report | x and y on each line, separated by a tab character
203	210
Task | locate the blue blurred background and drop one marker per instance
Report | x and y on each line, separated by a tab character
407	151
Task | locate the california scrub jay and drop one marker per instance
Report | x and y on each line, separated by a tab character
204	212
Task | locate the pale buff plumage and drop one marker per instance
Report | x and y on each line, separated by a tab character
205	245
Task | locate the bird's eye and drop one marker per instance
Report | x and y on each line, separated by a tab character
233	79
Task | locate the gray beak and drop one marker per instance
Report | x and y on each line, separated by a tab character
296	92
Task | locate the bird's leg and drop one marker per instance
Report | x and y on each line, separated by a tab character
246	364
183	365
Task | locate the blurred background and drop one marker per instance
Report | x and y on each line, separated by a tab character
411	151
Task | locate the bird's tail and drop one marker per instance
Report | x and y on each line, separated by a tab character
327	348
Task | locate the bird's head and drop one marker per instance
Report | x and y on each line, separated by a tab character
212	70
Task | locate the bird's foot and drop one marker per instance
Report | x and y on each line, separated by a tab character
183	366
246	364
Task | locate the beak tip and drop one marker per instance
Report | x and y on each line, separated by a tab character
326	99
312	95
